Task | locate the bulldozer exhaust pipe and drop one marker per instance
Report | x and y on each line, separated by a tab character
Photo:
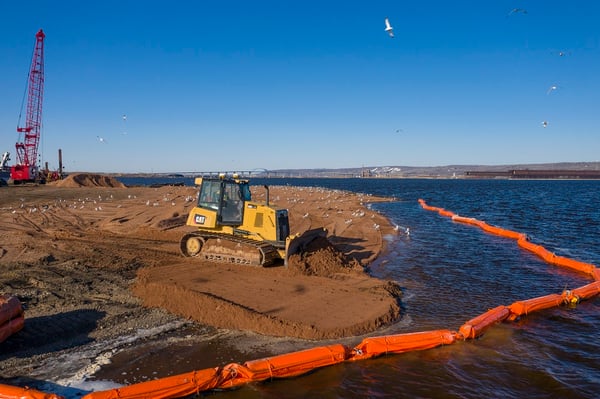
60	165
267	198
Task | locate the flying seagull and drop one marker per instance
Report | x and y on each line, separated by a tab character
561	53
516	11
101	139
551	89
388	27
545	124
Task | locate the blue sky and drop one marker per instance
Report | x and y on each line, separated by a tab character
241	85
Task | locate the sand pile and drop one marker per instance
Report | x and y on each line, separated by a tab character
321	258
88	180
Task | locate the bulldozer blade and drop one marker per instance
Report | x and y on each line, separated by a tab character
297	243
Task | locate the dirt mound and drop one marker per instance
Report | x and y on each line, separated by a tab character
321	258
270	301
89	180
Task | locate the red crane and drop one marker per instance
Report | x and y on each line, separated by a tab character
26	168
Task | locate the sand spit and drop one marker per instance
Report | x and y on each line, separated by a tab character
92	260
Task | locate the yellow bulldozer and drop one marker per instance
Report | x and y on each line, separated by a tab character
232	228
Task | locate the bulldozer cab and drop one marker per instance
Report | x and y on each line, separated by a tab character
226	197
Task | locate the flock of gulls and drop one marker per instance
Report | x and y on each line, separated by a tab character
103	140
390	30
560	53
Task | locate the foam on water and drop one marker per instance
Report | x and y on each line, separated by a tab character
70	374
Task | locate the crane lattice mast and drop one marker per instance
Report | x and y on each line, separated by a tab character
29	137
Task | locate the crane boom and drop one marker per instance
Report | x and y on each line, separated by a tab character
26	147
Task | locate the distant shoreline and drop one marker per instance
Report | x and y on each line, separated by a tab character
563	171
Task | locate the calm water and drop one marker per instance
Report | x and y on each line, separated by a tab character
450	273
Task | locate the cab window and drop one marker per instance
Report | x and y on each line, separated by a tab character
210	194
246	195
232	207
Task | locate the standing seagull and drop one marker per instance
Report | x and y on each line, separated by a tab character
388	27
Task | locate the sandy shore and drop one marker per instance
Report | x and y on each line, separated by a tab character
92	261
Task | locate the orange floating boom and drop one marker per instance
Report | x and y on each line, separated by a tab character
444	212
12	319
296	363
465	220
10	307
501	232
169	387
537	249
11	392
376	346
587	291
520	308
427	207
476	326
523	307
586	268
11	327
522	241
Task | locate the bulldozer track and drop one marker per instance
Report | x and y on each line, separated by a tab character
195	245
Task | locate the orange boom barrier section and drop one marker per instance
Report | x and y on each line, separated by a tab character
11	327
537	249
587	291
10	307
586	268
534	304
376	346
501	232
441	211
472	221
427	207
297	363
475	327
12	319
11	392
170	387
